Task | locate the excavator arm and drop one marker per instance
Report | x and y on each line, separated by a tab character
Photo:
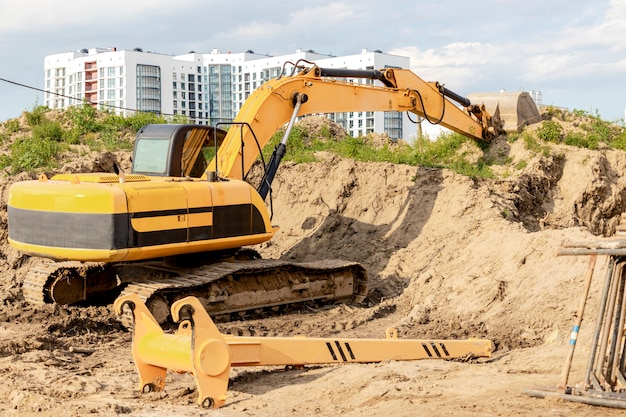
318	90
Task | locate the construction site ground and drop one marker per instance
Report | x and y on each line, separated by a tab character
448	257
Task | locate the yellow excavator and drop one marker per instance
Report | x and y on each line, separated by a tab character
177	226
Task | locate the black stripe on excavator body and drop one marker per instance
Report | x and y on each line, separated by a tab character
110	231
173	212
157	213
199	210
68	230
443	347
343	355
332	352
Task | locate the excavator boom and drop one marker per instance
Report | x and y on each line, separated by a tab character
333	91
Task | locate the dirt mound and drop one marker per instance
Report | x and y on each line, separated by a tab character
448	257
320	128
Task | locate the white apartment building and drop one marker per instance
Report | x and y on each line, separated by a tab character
206	87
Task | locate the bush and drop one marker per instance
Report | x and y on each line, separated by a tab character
550	131
582	141
36	116
30	153
48	130
12	126
83	119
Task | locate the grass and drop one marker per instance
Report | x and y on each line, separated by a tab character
591	131
38	144
441	153
52	132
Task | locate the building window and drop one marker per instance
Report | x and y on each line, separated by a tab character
149	88
393	124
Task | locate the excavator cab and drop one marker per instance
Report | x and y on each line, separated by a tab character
163	150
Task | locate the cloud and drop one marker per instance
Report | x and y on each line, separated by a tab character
295	29
552	56
458	64
42	16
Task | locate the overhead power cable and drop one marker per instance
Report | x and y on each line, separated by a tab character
74	98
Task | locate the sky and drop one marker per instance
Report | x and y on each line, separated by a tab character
573	51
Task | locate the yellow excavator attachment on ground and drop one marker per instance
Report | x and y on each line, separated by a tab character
516	109
200	349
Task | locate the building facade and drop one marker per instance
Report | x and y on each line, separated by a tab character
208	88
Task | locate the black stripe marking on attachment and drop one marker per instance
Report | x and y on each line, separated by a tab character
332	352
343	355
430	355
434	346
350	351
443	347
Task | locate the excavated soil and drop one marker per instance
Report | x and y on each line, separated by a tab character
448	257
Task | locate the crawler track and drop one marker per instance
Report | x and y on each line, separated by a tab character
222	287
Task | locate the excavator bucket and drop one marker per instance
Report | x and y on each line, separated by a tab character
517	109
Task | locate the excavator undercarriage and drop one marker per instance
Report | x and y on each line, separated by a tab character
223	287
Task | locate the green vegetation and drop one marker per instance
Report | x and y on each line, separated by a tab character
445	152
532	144
28	153
550	131
585	130
50	133
37	140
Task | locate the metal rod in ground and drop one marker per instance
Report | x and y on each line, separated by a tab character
613	358
596	335
585	399
576	327
601	371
